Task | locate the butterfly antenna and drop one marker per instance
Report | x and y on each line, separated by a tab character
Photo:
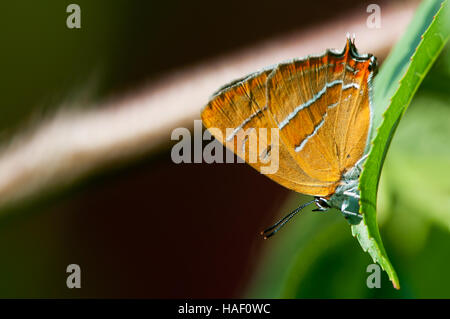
269	232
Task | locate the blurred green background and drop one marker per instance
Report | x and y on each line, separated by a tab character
150	228
318	258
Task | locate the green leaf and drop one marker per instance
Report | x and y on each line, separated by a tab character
394	88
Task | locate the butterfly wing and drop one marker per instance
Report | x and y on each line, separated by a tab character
322	107
235	116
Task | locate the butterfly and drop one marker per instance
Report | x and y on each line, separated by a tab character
321	107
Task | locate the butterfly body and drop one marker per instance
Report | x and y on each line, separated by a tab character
321	108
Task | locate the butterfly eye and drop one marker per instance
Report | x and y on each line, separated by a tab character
323	202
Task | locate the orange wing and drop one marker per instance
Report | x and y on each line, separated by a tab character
241	108
320	106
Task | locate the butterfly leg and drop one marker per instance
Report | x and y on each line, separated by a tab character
360	162
347	213
350	209
352	193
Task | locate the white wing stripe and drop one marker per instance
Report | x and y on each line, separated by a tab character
316	129
314	99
